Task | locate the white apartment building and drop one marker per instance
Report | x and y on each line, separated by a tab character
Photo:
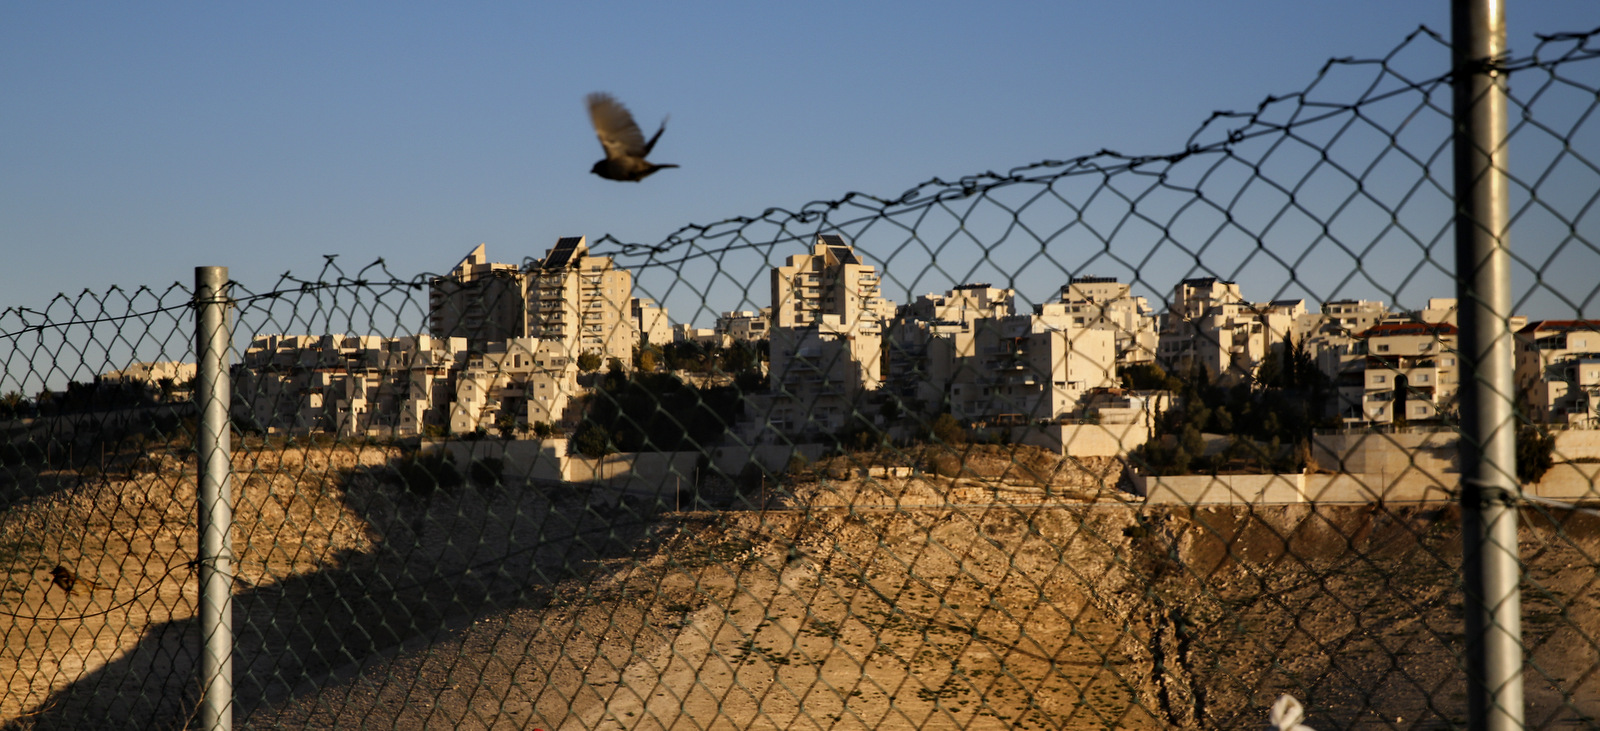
827	330
1330	337
1103	303
478	300
1558	371
931	334
964	304
1209	325
176	374
518	383
705	336
651	320
1030	368
350	385
744	326
582	302
1410	370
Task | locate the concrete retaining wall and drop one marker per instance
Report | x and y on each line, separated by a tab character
1393	453
1570	481
652	473
1082	440
634	472
1279	489
731	461
1577	444
520	459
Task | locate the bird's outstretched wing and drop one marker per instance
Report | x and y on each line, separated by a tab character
618	133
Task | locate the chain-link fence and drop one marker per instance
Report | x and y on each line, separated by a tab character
1174	435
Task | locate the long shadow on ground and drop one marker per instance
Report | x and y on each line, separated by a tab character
441	560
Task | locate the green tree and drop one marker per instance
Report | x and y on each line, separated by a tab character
589	362
649	362
1536	448
946	430
591	440
1144	377
11	404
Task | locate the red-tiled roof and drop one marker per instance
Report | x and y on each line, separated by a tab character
1561	326
1409	328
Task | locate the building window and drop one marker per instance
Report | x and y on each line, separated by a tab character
1380	378
1383	348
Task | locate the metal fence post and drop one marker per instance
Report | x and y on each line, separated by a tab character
1489	487
213	337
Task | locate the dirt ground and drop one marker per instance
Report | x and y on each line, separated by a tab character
1002	599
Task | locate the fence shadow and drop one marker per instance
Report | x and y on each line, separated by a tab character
441	559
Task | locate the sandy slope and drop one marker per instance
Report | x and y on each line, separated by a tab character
1033	601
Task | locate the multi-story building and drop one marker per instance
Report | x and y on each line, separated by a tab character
170	379
931	334
651	320
1410	372
1558	371
922	356
827	330
581	302
1103	303
516	384
1030	368
478	300
348	384
706	336
1330	337
1211	327
966	303
744	326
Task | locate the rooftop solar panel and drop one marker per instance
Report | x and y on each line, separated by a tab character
561	256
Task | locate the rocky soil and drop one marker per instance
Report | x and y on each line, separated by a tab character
1017	592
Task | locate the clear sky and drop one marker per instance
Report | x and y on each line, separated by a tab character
138	141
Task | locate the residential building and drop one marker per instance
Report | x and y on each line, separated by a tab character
1558	371
931	334
705	336
965	304
478	300
1330	338
1210	327
514	385
347	384
1411	372
1030	368
1103	303
744	326
581	302
651	320
827	330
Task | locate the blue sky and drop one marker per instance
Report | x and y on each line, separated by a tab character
138	142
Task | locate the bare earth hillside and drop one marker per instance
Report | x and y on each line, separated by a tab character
1023	595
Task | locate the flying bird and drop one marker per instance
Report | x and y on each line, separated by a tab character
625	145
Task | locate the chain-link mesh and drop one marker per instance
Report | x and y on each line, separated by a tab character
1174	435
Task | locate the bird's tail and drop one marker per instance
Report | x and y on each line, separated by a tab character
651	145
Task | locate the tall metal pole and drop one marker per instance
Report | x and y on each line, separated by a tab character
213	337
1489	487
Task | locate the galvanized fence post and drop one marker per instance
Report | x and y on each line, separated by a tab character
213	337
1489	486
